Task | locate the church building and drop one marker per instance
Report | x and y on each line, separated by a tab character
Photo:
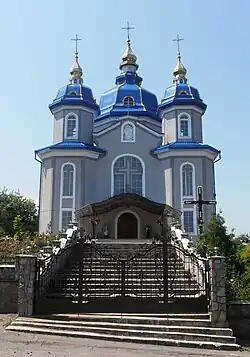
128	144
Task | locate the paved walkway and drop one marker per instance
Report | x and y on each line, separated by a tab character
22	344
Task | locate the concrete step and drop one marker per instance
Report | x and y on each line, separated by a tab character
193	320
136	333
131	330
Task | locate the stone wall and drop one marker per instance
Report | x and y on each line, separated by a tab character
8	289
238	314
218	306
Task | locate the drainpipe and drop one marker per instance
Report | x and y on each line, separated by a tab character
40	181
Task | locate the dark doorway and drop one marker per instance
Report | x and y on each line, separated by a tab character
127	226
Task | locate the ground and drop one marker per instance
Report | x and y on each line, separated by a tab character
22	344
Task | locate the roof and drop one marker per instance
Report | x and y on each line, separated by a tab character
71	145
182	94
128	84
75	94
189	145
128	199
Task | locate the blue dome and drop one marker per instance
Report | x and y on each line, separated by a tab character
128	85
75	94
182	94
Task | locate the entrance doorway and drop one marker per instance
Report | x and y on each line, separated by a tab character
127	226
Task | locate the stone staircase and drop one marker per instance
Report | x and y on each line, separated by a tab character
101	273
167	330
93	272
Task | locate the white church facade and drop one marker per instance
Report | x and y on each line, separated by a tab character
127	144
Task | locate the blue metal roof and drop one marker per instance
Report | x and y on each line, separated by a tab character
71	145
75	94
182	94
128	84
183	145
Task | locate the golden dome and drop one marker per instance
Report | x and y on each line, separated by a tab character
128	57
76	70
180	71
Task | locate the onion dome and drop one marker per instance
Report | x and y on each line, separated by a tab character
128	97
181	93
75	93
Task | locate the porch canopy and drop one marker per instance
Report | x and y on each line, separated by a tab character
128	200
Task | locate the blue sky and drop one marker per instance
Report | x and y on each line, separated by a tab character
36	54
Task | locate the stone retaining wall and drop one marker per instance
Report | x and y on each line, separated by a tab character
238	314
8	289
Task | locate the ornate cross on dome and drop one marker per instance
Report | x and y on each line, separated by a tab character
128	28
76	39
178	39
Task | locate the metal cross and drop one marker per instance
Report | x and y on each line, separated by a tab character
178	39
128	28
76	39
200	203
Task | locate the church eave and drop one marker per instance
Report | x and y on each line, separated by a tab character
73	102
166	103
133	112
127	200
185	148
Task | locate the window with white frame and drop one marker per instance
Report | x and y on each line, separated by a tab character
71	126
68	180
128	101
188	221
184	126
128	175
187	180
67	217
128	132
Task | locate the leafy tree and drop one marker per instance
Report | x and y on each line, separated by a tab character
17	213
217	240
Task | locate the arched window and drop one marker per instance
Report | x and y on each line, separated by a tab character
187	180
67	180
128	132
128	101
71	126
128	175
184	126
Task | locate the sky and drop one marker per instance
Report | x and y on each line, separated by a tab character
36	55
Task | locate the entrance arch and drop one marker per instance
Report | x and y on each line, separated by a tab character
127	225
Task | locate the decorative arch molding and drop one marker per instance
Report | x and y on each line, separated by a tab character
184	116
128	137
72	208
69	117
143	171
183	207
193	179
137	218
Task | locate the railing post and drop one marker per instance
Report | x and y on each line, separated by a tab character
26	269
218	305
166	263
123	277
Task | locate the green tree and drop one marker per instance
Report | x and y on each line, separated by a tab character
217	240
13	205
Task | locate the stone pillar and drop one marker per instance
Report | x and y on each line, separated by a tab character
26	273
218	304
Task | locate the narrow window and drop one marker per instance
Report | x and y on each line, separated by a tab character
188	221
67	217
71	127
184	126
187	180
68	180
